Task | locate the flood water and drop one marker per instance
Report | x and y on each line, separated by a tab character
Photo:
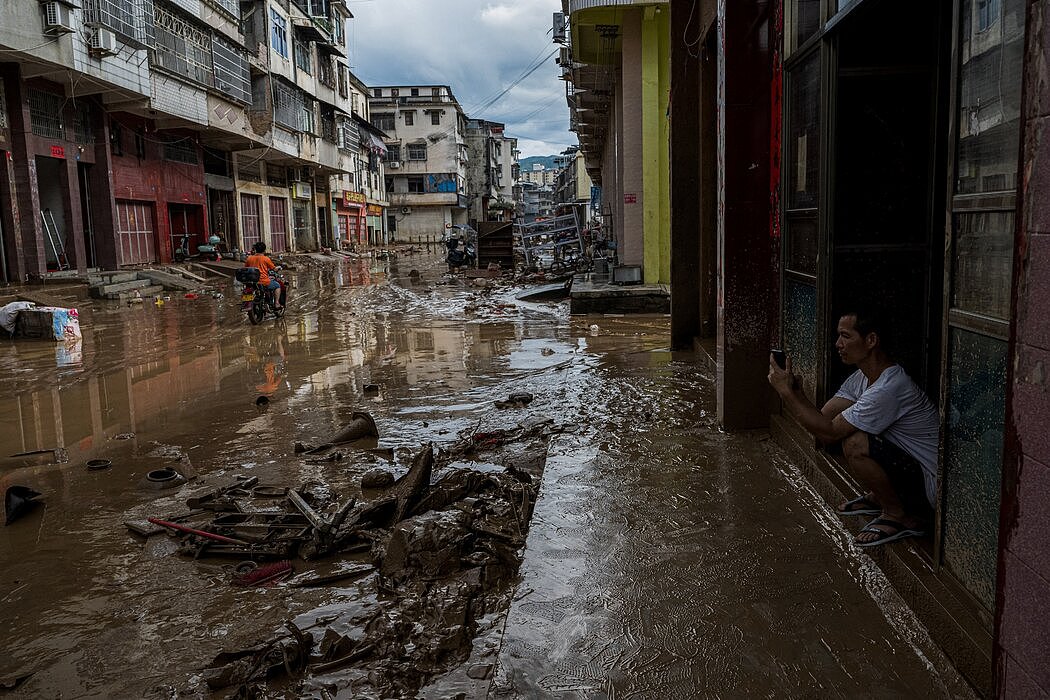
666	559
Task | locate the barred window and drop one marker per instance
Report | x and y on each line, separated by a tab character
417	151
303	58
276	176
132	20
250	172
82	126
393	153
383	122
180	150
287	104
328	130
232	76
325	70
231	6
348	135
182	48
344	81
45	114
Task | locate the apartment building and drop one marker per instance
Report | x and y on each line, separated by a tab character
540	175
573	186
491	171
129	125
426	159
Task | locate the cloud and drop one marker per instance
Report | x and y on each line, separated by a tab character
476	47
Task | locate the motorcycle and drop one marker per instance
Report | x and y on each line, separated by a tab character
256	300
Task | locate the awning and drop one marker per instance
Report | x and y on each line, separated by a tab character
306	29
376	144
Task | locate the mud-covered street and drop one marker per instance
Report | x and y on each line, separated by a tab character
664	558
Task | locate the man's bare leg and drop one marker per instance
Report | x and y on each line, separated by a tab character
868	471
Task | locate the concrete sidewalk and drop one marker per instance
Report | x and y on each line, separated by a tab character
669	560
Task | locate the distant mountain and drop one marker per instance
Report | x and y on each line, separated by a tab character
546	161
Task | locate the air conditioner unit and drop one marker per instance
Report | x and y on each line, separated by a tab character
406	210
103	42
302	190
58	18
394	164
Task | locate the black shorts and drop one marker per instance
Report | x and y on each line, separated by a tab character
903	470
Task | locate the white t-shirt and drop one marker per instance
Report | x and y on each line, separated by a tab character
896	408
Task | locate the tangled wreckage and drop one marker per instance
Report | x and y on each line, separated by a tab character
436	553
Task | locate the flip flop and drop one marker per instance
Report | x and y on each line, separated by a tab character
866	507
900	532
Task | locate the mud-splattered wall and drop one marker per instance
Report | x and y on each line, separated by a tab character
1022	636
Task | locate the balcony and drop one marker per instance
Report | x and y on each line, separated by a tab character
579	5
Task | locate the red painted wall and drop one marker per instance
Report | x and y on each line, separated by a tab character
1023	605
153	179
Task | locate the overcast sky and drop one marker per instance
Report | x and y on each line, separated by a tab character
479	48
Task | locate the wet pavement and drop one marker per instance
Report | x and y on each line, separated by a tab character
666	559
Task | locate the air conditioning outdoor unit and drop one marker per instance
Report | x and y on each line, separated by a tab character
406	210
103	42
394	164
58	18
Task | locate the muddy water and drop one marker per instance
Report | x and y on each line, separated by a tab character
666	557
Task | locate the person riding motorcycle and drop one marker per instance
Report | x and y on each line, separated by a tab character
261	261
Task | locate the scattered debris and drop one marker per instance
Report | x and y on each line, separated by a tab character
370	389
361	426
249	573
98	464
262	401
123	436
519	399
35	458
18	501
377	478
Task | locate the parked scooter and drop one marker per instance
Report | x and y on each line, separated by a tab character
205	251
257	301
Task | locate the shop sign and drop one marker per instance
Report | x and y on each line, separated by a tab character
353	197
302	190
375	210
630	198
58	152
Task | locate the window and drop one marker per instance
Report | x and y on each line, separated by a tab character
415	92
435	93
83	128
417	151
180	150
393	153
279	33
182	47
383	122
435	118
276	176
303	58
306	117
378	92
325	71
344	82
45	114
415	184
231	69
805	20
116	139
394	92
388	182
987	14
410	118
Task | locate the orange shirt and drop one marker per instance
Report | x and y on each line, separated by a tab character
263	263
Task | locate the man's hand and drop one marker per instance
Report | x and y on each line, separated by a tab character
781	379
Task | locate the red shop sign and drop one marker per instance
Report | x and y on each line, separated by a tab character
630	198
58	152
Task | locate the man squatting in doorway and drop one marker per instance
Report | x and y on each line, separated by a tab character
887	425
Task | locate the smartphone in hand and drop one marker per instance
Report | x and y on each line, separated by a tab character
780	357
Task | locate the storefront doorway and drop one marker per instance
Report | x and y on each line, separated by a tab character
886	178
185	220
